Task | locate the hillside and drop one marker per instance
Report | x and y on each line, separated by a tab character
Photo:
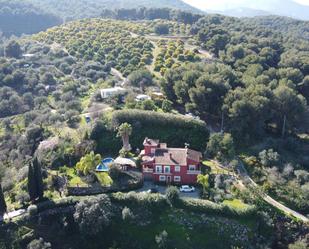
18	18
75	9
236	90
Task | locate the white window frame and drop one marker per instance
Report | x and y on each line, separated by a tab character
152	150
167	171
177	178
192	166
158	168
162	178
177	168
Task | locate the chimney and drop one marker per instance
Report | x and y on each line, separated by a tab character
171	156
163	145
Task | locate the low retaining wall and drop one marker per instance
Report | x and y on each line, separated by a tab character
135	183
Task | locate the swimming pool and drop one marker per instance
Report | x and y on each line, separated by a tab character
105	165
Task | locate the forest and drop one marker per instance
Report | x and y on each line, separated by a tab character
235	89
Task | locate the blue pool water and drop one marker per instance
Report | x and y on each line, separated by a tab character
104	165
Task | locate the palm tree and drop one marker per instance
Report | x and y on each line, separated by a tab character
204	181
88	163
124	131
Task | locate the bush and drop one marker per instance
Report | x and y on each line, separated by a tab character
172	194
39	244
32	210
127	214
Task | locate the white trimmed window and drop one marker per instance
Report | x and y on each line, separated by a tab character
177	178
192	168
158	169
167	169
177	168
162	178
152	150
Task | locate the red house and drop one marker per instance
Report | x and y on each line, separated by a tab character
170	165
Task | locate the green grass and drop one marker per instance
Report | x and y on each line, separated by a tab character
181	235
215	169
236	203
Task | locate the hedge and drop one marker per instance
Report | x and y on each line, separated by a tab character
197	205
65	202
155	202
175	130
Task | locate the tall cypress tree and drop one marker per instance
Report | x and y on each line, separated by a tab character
38	178
3	207
32	190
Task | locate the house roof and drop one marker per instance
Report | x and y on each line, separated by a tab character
151	142
175	156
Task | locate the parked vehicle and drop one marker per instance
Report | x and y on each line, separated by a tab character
186	189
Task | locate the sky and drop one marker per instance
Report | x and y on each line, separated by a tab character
228	4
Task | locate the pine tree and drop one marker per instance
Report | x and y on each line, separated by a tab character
3	207
32	190
38	178
35	180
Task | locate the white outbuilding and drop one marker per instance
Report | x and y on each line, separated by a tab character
110	92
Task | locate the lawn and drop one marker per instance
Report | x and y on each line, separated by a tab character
236	203
216	169
182	228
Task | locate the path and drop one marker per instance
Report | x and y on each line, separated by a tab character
162	190
14	214
244	175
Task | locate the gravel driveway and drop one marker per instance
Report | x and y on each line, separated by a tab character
149	184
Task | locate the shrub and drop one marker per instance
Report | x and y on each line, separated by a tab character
172	194
127	214
32	210
39	244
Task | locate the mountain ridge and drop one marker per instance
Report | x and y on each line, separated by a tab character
287	8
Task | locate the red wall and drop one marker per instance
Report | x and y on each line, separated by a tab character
185	178
148	148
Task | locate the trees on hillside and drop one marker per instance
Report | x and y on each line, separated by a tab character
93	215
161	29
290	108
221	146
13	49
141	78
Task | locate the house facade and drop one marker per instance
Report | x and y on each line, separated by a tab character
170	165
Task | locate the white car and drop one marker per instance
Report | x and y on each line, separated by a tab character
186	189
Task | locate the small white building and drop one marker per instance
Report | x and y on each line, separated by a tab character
142	97
110	92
